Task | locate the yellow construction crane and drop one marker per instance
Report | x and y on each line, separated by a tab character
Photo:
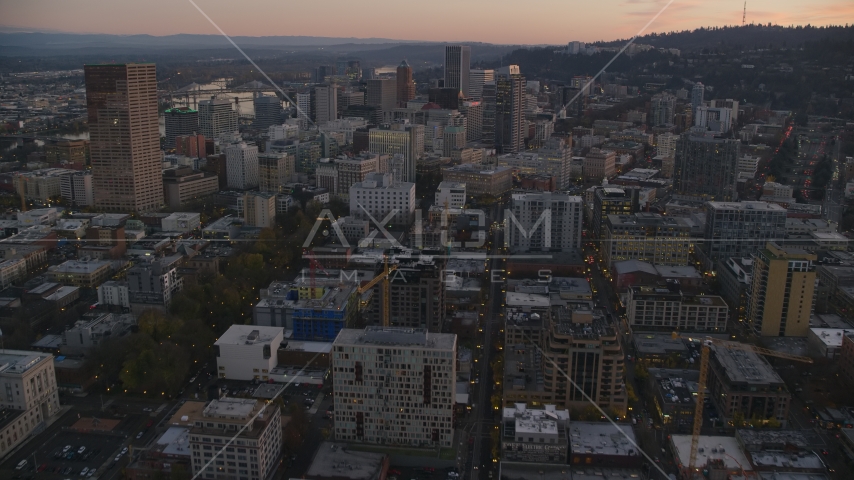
385	278
701	385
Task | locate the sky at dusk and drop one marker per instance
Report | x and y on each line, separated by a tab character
493	21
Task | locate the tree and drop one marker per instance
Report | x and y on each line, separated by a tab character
156	324
738	419
641	372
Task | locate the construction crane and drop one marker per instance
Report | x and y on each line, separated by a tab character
385	278
701	385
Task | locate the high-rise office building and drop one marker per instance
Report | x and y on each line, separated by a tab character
268	111
324	103
453	138
488	125
124	136
259	209
663	106
30	397
399	139
242	166
457	65
612	201
382	93
648	237
216	117
697	96
304	113
741	229
477	79
405	84
473	111
509	112
323	71
782	291
394	386
180	122
707	167
274	170
545	222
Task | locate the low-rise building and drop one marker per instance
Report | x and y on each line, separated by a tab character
337	462
534	435
668	307
674	393
742	383
656	348
183	184
29	398
480	180
603	444
184	222
153	284
451	195
247	352
826	342
81	273
92	331
252	428
317	314
383	198
114	293
734	278
648	237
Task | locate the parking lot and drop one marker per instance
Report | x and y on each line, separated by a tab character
61	456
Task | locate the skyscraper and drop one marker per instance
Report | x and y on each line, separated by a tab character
180	122
406	140
268	111
707	167
477	78
382	93
242	166
509	112
663	109
457	63
325	103
488	123
216	117
697	96
124	147
405	84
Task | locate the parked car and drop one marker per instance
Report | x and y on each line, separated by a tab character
84	471
66	448
81	450
21	465
139	435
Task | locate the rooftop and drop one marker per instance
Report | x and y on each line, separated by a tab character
336	461
602	438
248	334
175	441
529	300
231	408
831	337
650	343
722	448
396	336
17	362
546	471
745	366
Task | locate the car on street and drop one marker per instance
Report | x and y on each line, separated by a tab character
824	452
394	471
124	450
139	435
21	465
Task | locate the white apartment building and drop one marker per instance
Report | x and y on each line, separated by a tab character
76	188
247	352
394	386
41	185
114	293
259	209
216	118
28	395
241	166
544	222
451	194
255	452
379	195
748	164
778	190
181	222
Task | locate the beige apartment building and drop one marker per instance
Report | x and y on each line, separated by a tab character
782	291
28	395
479	179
